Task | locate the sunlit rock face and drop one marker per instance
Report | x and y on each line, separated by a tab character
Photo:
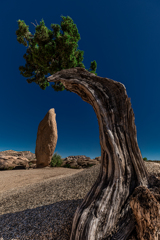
46	139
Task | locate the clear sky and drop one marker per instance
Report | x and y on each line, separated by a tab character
124	39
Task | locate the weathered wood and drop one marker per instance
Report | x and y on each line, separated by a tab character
108	211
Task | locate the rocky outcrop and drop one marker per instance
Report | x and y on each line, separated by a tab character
11	162
18	154
98	159
27	154
79	162
46	139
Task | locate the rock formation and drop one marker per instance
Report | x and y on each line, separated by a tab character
26	154
18	154
79	162
106	212
46	139
11	162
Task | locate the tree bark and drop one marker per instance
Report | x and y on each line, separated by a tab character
122	203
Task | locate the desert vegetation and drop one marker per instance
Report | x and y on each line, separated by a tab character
57	161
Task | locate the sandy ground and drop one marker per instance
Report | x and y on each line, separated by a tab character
15	179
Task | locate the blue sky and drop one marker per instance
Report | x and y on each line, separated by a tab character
124	39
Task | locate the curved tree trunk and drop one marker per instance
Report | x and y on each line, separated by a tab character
120	204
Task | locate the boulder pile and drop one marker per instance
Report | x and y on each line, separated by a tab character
17	160
10	162
80	161
26	160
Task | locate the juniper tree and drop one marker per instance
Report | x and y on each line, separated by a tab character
124	201
50	51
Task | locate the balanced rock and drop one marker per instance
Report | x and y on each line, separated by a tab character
79	162
10	162
46	139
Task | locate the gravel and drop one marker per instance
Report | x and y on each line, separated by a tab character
44	210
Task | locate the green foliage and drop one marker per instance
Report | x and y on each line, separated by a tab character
47	56
56	160
90	165
145	159
67	165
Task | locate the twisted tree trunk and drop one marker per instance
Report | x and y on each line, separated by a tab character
122	203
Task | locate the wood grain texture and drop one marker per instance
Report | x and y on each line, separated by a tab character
106	212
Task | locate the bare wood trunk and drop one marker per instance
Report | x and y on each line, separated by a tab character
114	207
